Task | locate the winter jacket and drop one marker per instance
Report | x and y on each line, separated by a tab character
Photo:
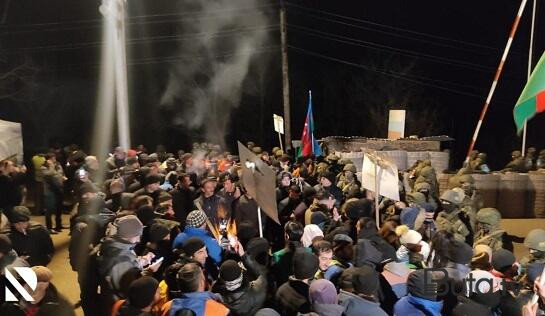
413	305
357	306
201	303
10	260
283	262
182	203
116	257
36	244
247	299
292	297
214	249
387	250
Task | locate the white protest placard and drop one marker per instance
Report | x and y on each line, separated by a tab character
380	174
278	123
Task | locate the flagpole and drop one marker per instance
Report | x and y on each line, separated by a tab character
523	150
311	131
496	78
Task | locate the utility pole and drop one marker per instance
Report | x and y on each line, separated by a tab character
285	77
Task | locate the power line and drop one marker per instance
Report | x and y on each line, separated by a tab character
390	27
150	39
376	46
383	72
99	21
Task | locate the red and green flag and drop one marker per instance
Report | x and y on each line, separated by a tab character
532	99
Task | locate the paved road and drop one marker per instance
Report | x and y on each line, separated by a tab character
66	280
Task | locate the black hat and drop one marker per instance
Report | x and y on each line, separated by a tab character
329	176
20	214
246	231
308	192
191	245
417	286
158	232
502	260
5	244
142	292
257	246
129	226
145	214
460	252
230	270
152	178
365	280
305	265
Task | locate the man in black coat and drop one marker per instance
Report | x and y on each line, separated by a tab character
31	241
182	198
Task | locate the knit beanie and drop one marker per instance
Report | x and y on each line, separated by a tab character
142	292
502	259
460	252
534	270
365	280
408	236
329	176
196	219
43	274
5	244
158	232
305	265
417	286
322	292
20	214
129	226
191	245
231	274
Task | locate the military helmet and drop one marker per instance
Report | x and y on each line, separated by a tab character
257	150
416	198
427	172
516	154
350	167
535	239
344	161
489	216
332	157
453	197
274	150
482	156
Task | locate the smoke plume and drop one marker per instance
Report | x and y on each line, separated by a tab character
202	90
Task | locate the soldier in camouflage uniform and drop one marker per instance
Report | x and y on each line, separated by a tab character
473	201
425	189
488	230
517	163
540	163
535	241
348	181
452	219
530	159
479	164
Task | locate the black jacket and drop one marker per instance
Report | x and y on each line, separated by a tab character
250	297
292	297
36	244
182	203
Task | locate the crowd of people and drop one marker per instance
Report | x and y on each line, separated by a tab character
178	234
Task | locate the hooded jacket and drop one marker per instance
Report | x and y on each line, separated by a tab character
114	259
201	303
250	297
413	305
357	306
293	297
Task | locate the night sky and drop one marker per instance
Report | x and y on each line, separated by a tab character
436	59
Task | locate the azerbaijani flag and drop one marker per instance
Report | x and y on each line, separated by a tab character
309	144
532	99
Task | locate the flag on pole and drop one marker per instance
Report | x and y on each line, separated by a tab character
532	99
309	144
